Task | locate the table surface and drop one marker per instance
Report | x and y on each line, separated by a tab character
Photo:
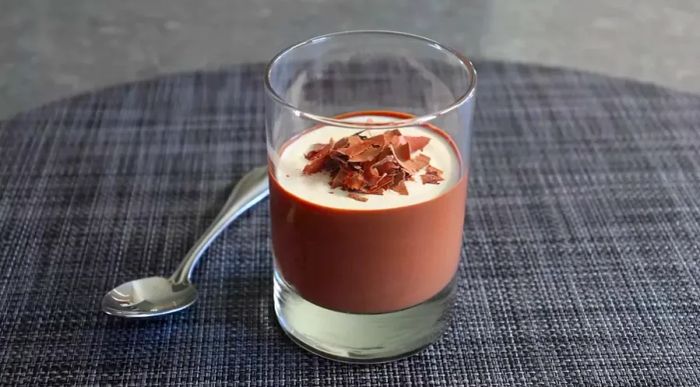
580	253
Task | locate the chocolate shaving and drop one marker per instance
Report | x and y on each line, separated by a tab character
314	151
355	139
417	142
431	179
357	197
432	175
418	163
400	187
318	158
353	150
369	154
433	171
371	164
402	151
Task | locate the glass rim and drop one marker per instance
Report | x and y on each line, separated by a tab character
466	64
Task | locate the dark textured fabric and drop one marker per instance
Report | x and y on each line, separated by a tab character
580	256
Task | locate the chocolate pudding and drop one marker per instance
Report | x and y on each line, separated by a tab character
379	245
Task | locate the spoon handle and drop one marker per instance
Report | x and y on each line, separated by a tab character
252	188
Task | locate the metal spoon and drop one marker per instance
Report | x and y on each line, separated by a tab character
155	296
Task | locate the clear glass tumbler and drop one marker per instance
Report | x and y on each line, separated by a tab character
367	240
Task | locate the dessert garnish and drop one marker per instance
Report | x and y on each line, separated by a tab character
363	164
432	175
357	197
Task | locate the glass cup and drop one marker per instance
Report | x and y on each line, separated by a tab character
367	274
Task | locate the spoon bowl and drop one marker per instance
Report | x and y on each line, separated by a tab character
156	296
148	297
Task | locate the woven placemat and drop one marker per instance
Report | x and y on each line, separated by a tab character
580	256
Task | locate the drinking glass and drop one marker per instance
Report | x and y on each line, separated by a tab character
367	280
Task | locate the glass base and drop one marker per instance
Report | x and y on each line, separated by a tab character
361	338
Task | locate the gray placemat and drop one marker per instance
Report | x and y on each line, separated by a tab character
580	256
